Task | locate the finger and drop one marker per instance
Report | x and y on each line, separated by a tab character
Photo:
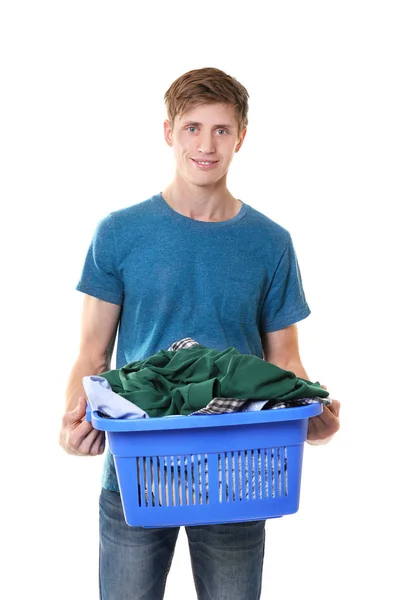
333	408
89	441
80	409
327	417
99	444
75	415
312	432
96	444
328	424
102	444
79	432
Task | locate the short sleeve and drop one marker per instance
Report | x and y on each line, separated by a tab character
100	276
285	301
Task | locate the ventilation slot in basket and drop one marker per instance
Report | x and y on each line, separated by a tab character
173	480
186	480
257	474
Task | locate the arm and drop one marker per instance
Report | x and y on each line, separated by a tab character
98	332
281	348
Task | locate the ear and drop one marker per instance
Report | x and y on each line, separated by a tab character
241	140
168	132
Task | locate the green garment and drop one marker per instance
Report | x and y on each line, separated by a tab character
182	381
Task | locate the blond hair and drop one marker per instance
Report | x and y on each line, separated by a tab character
206	86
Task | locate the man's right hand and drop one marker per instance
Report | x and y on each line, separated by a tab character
78	436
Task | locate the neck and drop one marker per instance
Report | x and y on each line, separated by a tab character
200	202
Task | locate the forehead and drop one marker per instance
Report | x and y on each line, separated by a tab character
210	114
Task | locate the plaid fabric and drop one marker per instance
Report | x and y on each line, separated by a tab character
184	343
217	406
302	402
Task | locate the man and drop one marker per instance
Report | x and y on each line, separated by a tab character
192	261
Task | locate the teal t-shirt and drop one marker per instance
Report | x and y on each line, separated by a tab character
222	283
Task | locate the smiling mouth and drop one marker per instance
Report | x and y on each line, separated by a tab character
205	162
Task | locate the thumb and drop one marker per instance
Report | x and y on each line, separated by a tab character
80	411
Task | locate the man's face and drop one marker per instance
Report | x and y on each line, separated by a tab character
204	141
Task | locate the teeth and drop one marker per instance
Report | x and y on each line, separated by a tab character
204	163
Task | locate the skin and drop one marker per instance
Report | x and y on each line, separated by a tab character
201	195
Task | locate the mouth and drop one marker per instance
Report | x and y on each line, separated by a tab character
204	164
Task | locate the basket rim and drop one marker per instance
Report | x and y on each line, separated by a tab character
179	422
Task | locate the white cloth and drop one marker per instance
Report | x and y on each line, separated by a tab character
101	398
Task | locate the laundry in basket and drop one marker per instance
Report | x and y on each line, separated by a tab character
146	454
111	405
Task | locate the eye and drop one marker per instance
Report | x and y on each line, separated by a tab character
191	127
224	130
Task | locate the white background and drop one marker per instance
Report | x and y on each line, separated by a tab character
327	156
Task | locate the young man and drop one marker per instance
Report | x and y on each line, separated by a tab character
191	261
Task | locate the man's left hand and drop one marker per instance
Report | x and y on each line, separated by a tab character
321	429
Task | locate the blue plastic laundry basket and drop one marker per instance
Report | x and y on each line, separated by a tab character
207	469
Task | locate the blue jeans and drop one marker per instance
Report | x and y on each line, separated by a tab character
226	560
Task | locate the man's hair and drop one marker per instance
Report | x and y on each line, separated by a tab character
206	86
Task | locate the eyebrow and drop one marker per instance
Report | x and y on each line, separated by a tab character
218	126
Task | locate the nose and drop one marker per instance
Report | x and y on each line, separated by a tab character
206	143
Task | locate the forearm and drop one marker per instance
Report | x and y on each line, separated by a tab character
295	366
298	370
83	367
